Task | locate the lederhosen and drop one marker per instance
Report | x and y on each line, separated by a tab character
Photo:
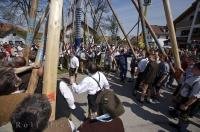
92	98
191	110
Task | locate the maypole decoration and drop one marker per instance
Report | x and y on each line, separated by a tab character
78	35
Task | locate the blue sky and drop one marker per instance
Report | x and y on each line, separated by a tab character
156	16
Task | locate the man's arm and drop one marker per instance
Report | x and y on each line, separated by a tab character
188	103
24	68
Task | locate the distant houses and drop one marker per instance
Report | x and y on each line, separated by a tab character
11	34
89	32
187	27
14	35
161	33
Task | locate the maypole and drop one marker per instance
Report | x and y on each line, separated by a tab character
78	35
122	29
52	52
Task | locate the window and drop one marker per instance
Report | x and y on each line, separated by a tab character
198	18
147	2
191	18
185	32
196	32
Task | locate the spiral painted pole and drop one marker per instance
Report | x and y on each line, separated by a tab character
78	35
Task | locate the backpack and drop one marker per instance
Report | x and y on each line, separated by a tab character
108	102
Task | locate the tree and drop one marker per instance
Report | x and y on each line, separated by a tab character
18	11
99	7
112	26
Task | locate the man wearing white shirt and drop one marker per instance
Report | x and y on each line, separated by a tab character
141	67
73	66
91	84
64	100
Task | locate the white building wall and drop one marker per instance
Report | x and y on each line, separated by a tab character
10	37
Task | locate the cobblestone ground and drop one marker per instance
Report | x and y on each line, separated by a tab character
137	117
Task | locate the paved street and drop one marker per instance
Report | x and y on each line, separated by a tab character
146	118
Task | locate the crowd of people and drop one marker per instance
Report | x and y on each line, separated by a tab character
152	71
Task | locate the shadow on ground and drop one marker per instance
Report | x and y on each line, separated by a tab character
159	120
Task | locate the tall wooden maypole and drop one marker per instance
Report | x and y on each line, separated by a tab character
52	51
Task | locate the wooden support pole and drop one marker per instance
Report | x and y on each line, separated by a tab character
99	20
193	22
44	15
141	13
153	35
52	51
96	20
132	29
34	76
31	26
122	29
150	29
172	33
138	29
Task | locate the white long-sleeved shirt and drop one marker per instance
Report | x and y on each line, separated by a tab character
74	62
67	93
88	84
142	64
